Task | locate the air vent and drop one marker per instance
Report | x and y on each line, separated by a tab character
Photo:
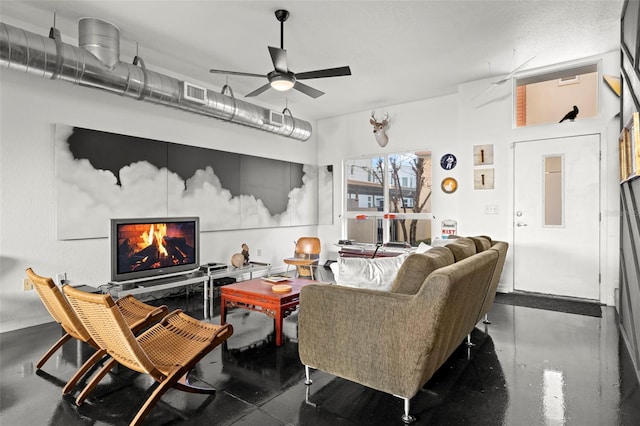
194	93
276	119
564	81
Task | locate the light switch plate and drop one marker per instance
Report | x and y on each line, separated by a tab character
491	209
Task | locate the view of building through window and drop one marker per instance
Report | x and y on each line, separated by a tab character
389	198
547	98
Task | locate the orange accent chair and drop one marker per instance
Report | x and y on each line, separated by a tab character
167	351
137	315
306	257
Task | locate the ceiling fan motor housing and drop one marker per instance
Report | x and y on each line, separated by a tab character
281	81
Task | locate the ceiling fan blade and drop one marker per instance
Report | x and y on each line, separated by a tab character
511	74
246	74
259	90
308	90
485	91
516	69
279	59
329	72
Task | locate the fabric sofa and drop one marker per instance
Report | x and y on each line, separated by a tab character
394	341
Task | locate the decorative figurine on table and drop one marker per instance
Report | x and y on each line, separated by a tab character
241	259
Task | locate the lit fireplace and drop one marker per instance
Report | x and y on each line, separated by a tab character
153	246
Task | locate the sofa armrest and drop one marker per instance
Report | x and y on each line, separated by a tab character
367	336
501	247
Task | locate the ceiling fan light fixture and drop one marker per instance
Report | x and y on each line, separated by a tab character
281	78
282	82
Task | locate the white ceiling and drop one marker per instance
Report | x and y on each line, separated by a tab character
398	51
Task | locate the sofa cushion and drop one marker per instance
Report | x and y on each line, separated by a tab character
462	248
482	243
441	242
417	268
377	273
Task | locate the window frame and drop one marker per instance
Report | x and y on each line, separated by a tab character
386	216
555	73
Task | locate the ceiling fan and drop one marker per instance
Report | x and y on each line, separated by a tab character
504	80
282	78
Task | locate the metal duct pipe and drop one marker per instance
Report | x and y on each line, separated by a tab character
101	68
100	38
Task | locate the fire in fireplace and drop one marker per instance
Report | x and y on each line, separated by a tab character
153	246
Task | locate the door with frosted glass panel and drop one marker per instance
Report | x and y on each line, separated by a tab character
556	246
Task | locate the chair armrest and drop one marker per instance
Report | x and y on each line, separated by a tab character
139	314
375	338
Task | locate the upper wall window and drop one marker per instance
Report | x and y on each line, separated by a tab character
548	98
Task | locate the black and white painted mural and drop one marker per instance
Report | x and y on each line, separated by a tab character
325	195
101	175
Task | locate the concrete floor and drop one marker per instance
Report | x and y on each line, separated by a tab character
529	367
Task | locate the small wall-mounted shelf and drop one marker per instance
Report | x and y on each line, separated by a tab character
629	148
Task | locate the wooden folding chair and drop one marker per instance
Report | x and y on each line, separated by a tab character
166	351
137	315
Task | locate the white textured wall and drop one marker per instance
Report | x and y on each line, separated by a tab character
29	108
455	124
429	124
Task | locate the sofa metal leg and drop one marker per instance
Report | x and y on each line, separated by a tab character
307	378
486	319
406	417
307	400
469	343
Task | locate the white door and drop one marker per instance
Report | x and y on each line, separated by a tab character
557	216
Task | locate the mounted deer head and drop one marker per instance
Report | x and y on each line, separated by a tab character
380	128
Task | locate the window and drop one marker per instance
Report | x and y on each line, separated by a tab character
553	191
549	97
400	187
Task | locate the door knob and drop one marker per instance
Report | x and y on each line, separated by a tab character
521	224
